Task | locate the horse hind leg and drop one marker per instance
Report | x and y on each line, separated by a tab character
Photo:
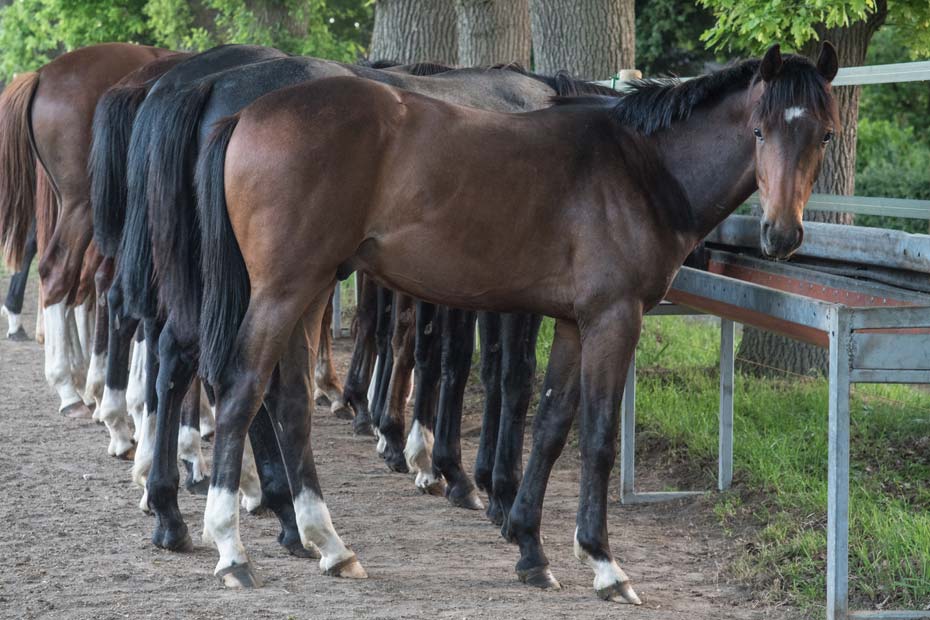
207	416
112	409
362	365
189	444
489	332
328	391
261	341
12	307
96	373
58	360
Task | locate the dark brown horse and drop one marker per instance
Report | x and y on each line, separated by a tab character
583	212
45	119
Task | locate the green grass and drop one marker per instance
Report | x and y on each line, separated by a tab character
780	460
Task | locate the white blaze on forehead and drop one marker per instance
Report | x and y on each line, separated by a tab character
793	113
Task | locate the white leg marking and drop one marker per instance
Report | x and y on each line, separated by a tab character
96	378
249	483
189	450
419	448
607	573
371	384
84	320
75	351
112	412
57	361
316	527
40	321
382	442
13	321
221	527
207	416
145	450
135	390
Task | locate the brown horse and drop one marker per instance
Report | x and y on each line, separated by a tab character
583	212
45	119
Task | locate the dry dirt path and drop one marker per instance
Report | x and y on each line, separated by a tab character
73	543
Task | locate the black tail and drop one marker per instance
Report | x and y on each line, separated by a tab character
226	286
112	129
164	131
172	214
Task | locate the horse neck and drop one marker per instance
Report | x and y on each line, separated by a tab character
712	156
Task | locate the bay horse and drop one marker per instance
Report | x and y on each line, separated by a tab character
180	121
583	212
45	122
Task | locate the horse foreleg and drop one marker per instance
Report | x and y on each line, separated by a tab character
385	364
189	444
557	407
362	364
458	344
427	353
328	392
391	427
518	360
96	373
112	409
489	334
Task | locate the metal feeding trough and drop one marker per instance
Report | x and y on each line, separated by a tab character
862	293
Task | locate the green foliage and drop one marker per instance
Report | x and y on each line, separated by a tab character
756	24
668	37
32	32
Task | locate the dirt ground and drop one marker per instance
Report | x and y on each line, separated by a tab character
73	543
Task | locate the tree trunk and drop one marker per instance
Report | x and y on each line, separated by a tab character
409	31
591	39
767	353
493	32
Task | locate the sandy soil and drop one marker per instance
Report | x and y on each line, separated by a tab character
73	543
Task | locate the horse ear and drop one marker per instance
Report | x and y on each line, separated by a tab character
828	63
771	63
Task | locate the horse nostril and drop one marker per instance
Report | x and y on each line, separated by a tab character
799	235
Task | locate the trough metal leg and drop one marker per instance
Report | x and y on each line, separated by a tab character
628	435
725	443
838	469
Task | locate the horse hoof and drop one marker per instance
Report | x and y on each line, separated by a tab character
321	399
296	549
350	568
363	428
198	488
177	542
395	461
468	501
128	455
342	411
437	487
239	576
494	513
619	591
539	577
77	411
19	335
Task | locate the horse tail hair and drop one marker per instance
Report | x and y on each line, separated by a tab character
46	207
17	167
172	216
112	128
225	278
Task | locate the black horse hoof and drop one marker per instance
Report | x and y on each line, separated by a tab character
321	400
197	488
494	512
539	577
297	550
239	576
176	541
362	428
396	461
19	335
343	412
467	499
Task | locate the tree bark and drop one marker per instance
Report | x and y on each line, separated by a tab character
409	31
591	39
492	32
766	353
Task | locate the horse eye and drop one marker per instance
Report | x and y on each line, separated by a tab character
757	132
827	137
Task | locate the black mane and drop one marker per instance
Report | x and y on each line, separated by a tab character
652	105
562	83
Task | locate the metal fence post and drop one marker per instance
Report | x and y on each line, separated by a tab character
628	433
838	468
725	445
